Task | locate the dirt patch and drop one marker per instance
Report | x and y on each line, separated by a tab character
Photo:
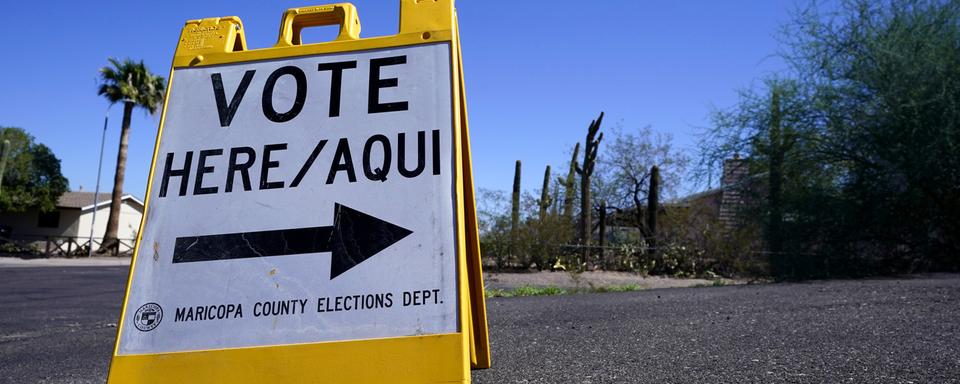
591	279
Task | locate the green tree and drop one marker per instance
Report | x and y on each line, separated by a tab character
885	76
625	169
855	149
32	178
776	129
132	84
495	226
625	175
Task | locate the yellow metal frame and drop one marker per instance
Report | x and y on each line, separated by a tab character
444	358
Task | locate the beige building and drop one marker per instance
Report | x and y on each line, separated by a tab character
67	229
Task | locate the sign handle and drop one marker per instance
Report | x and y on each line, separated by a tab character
296	19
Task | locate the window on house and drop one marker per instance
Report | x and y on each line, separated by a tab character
49	219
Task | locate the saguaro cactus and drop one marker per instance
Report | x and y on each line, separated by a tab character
515	213
653	202
545	199
569	188
585	171
555	202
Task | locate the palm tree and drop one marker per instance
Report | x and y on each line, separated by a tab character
132	83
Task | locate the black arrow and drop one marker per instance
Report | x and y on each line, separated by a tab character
354	237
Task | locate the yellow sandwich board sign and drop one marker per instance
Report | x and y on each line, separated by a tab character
310	213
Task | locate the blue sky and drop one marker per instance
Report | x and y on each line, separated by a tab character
536	72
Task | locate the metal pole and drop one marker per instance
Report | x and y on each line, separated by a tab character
96	190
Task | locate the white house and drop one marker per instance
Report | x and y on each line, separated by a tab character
72	220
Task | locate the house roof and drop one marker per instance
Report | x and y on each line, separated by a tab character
686	200
746	182
85	200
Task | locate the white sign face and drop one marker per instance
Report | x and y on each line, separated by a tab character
300	200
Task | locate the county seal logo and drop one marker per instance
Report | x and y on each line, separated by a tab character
148	317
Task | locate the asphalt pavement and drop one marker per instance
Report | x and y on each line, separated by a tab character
57	325
868	331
